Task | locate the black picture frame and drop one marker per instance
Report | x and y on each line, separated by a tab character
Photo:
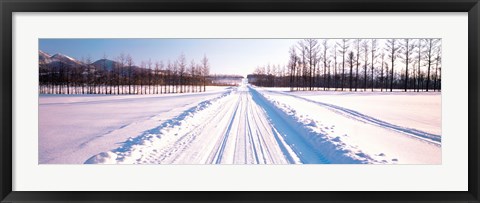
7	7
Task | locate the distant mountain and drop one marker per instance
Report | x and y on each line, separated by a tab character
43	58
57	60
105	64
65	59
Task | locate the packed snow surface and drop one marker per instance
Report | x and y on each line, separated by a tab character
241	125
73	128
419	110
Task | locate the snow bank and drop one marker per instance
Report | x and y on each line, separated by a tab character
153	140
331	150
360	139
72	128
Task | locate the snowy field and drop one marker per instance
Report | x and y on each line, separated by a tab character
73	128
242	125
419	110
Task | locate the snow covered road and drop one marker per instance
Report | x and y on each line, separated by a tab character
231	129
236	125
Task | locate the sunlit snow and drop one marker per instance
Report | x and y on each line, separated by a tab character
241	125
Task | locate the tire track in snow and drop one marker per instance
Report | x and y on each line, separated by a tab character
250	138
289	136
265	124
239	141
428	137
246	125
198	130
131	145
221	148
237	108
234	129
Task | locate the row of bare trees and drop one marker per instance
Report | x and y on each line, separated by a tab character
270	76
123	76
357	64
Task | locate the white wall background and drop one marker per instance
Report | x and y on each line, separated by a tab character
451	175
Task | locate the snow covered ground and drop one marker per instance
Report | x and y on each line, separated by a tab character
364	135
73	128
242	125
419	110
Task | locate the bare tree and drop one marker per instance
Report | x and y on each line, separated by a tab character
205	70
170	70
311	46
392	48
438	59
325	62
407	49
382	56
365	63
420	46
374	56
192	75
141	77
182	64
119	74
351	61
130	73
293	66
357	62
430	47
162	77
109	79
303	64
176	77
343	50
149	77
335	66
156	77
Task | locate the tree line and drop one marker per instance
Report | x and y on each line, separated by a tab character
123	76
357	64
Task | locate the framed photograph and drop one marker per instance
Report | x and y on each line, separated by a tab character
259	101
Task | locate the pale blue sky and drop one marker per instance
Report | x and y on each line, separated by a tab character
226	56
